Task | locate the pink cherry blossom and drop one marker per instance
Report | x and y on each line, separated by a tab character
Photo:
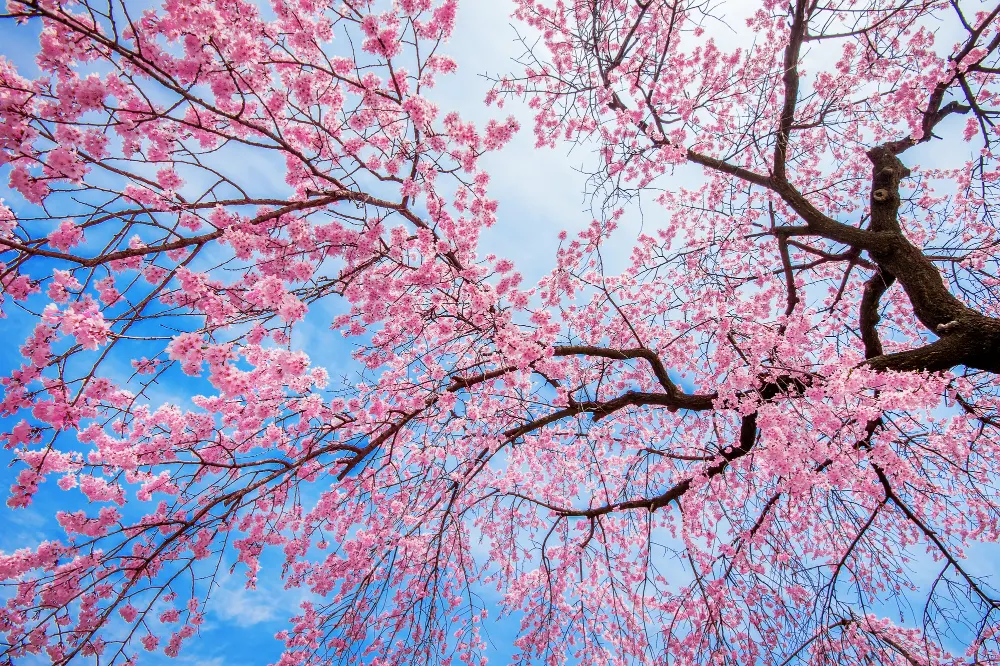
758	427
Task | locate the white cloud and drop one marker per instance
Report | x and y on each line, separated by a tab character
213	661
243	607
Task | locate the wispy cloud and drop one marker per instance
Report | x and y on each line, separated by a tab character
212	661
233	603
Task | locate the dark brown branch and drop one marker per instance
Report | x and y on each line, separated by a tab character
678	398
875	287
748	436
791	81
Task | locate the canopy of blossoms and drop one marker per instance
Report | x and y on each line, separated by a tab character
773	437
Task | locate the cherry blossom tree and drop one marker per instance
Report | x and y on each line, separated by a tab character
773	437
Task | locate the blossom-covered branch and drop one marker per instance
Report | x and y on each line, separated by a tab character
747	445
